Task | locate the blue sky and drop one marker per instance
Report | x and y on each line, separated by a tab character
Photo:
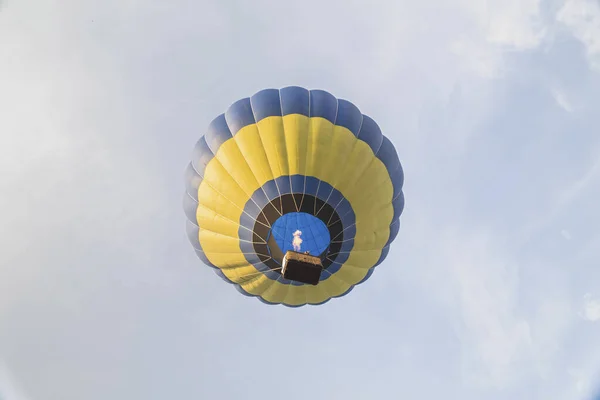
491	290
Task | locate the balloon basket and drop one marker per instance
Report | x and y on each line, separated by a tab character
301	267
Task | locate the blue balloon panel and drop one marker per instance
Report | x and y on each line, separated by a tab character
315	235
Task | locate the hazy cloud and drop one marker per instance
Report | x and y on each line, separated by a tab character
9	389
591	308
582	18
494	115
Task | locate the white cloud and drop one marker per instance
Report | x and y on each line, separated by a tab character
562	100
565	234
516	24
578	188
510	332
483	60
582	18
496	340
581	383
581	184
584	376
591	308
9	389
498	29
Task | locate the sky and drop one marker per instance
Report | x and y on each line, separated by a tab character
490	291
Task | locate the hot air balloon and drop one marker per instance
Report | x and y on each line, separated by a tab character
293	196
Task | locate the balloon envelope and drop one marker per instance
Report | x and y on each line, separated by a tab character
293	169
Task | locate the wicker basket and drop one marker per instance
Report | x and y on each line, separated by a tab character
301	267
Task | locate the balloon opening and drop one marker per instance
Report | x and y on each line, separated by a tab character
300	232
